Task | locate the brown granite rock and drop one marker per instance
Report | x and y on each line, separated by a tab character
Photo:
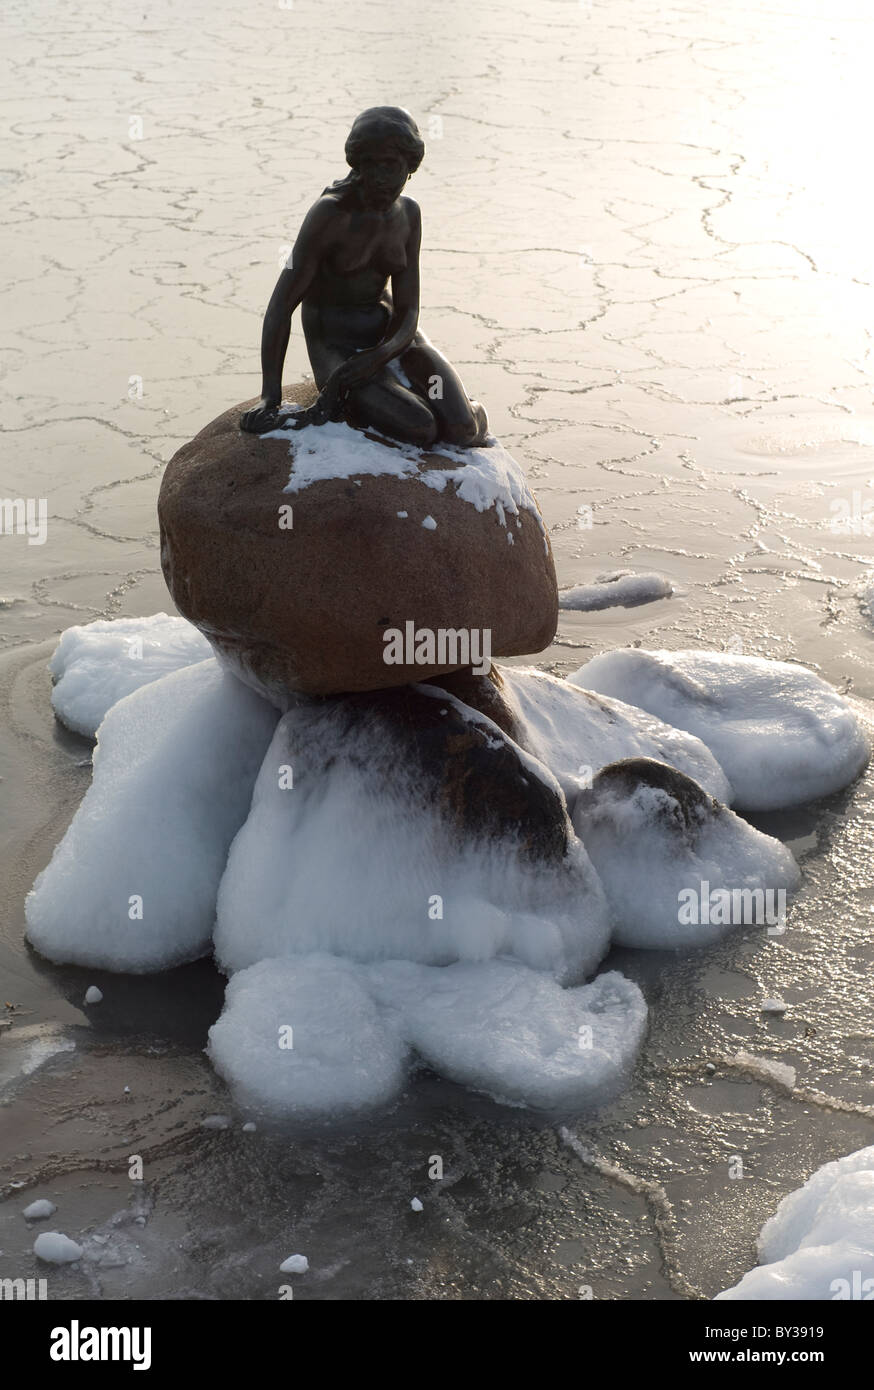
305	608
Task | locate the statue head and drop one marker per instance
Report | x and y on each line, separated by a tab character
383	149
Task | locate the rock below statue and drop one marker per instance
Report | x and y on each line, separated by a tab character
330	560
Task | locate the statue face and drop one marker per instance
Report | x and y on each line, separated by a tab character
382	172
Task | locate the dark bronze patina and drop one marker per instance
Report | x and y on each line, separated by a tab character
373	365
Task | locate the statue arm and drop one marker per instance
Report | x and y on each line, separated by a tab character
292	285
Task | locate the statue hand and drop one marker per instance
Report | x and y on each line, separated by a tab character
259	418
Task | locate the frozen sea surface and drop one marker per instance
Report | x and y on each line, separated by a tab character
648	252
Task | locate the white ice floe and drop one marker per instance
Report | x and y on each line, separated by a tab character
97	664
819	1244
416	1205
132	885
576	733
39	1210
620	589
765	1069
670	884
487	477
93	995
304	1037
781	735
354	860
56	1249
295	1264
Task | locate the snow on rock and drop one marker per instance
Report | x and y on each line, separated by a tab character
132	885
621	589
56	1249
576	733
95	665
781	735
819	1244
514	1033
352	860
678	874
39	1210
486	477
304	1037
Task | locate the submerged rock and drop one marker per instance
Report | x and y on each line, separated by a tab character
298	554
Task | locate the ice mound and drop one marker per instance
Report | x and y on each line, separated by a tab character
367	907
351	860
680	875
304	1037
316	1035
781	735
621	589
819	1244
132	885
97	664
543	1046
576	733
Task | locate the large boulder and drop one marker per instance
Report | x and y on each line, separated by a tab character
299	554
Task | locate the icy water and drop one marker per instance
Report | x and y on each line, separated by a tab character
647	246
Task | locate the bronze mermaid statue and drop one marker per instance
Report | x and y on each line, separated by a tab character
373	365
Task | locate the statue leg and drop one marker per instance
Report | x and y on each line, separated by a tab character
460	420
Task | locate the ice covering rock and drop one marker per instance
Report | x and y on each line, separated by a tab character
780	733
678	868
96	664
304	1037
497	1027
132	885
576	733
514	1033
354	860
819	1244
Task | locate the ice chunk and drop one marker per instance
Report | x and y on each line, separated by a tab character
514	1033
132	885
295	1264
93	995
622	589
353	860
765	1069
677	870
819	1244
416	1205
56	1249
39	1210
781	734
98	663
576	733
304	1037
773	1006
